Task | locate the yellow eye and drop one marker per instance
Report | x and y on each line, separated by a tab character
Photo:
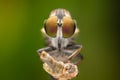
51	26
68	28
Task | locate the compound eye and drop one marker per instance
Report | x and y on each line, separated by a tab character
51	26
68	28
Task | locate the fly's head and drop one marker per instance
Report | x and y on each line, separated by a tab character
60	28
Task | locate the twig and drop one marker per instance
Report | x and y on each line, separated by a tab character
58	69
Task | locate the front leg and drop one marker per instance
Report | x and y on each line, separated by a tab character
77	49
73	55
73	46
76	54
45	49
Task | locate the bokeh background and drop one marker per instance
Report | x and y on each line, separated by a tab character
20	37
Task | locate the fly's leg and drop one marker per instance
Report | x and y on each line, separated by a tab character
45	49
73	46
76	54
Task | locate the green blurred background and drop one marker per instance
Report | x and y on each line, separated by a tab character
20	37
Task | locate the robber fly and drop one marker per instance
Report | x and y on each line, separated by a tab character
60	31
